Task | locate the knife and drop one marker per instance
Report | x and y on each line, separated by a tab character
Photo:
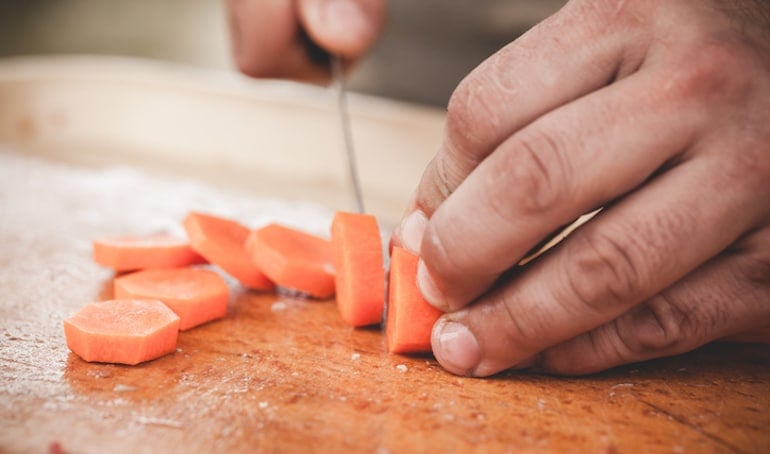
321	57
338	78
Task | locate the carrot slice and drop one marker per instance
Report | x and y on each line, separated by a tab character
122	331
410	318
223	243
129	253
359	278
294	259
194	294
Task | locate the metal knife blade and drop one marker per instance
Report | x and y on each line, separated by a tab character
338	78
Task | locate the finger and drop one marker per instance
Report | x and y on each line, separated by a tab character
262	35
570	54
343	27
759	336
565	164
718	300
622	257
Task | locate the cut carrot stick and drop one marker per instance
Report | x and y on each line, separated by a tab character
223	243
294	259
359	278
122	331
130	253
194	294
410	318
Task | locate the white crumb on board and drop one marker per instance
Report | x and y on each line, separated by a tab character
278	306
402	368
144	420
355	356
263	405
121	388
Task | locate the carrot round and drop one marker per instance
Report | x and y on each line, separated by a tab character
223	243
194	294
122	331
294	259
359	277
410	318
128	253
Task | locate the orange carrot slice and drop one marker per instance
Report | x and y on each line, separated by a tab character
223	243
359	278
129	253
410	318
122	331
294	259
194	294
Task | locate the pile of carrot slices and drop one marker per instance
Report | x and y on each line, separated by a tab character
164	290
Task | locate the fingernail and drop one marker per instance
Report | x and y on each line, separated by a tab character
429	289
346	16
412	229
456	349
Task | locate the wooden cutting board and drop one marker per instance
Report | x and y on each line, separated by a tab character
283	374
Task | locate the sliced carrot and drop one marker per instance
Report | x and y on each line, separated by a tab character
223	243
410	318
359	278
122	331
129	253
294	259
196	295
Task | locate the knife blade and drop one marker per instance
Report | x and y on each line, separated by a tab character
338	79
319	56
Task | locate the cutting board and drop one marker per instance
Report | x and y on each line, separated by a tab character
278	373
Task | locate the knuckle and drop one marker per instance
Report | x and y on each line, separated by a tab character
601	271
538	170
523	328
471	117
719	73
477	113
658	326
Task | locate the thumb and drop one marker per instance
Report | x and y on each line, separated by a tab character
344	27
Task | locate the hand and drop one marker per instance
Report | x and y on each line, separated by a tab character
267	35
657	111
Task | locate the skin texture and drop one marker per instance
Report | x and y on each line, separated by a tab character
267	35
655	111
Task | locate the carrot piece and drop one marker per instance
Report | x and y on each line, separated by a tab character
122	331
223	243
359	278
129	253
410	318
194	294
294	259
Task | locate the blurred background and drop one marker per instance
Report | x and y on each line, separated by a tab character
427	47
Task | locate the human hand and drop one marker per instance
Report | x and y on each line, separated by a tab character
656	110
268	36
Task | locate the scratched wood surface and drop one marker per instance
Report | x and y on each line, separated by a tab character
278	374
284	374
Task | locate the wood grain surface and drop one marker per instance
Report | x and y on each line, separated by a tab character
281	374
278	374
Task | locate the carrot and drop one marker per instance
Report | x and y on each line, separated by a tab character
410	318
294	259
129	253
359	278
122	331
223	243
196	295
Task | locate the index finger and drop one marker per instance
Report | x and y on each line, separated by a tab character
561	59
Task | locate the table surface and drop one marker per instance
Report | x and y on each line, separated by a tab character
280	373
